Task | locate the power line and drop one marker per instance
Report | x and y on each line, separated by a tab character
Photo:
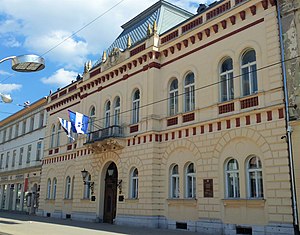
165	99
77	31
206	86
83	27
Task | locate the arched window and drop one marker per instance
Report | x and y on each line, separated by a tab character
190	181
135	107
232	179
117	111
249	73
49	188
54	188
107	114
86	189
255	180
173	96
68	188
52	137
58	135
134	179
189	92
174	182
72	186
226	79
92	118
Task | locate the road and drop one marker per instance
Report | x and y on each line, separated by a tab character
21	224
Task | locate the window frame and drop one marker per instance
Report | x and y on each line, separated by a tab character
54	188
57	142
107	114
259	185
48	189
52	138
236	179
68	188
134	184
117	111
174	182
28	156
92	118
136	106
31	126
189	93
173	98
192	176
228	83
249	74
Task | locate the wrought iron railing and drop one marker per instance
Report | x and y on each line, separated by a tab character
108	132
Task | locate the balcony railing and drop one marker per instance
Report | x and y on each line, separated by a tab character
105	133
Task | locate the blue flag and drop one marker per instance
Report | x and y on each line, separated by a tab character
66	126
79	122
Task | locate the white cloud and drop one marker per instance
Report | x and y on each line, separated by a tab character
60	78
4	73
73	53
49	22
8	88
11	41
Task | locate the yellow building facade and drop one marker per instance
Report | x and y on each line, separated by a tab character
186	127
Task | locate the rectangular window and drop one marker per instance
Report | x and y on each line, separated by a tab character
31	124
24	127
17	130
4	136
38	150
21	156
28	154
7	160
1	160
14	158
10	133
41	119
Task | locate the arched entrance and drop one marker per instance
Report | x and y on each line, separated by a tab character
110	194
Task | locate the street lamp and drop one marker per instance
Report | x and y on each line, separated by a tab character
6	98
86	180
23	63
26	63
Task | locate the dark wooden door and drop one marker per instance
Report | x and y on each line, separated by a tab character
110	196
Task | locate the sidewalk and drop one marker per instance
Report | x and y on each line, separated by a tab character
67	226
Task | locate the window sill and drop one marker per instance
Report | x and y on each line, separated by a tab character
68	200
132	200
84	200
246	202
51	201
182	201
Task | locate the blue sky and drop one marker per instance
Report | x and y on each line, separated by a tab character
36	26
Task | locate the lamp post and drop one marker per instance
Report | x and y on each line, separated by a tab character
86	180
23	63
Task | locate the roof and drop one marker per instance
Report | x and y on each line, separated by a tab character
24	111
166	16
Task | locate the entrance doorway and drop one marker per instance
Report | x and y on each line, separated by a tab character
110	195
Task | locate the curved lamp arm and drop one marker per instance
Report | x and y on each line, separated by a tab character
7	58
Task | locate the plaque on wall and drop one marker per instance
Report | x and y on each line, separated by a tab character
208	188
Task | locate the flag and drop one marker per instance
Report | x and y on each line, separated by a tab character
79	122
66	126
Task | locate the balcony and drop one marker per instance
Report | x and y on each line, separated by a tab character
106	139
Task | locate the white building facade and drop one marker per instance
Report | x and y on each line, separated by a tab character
21	153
